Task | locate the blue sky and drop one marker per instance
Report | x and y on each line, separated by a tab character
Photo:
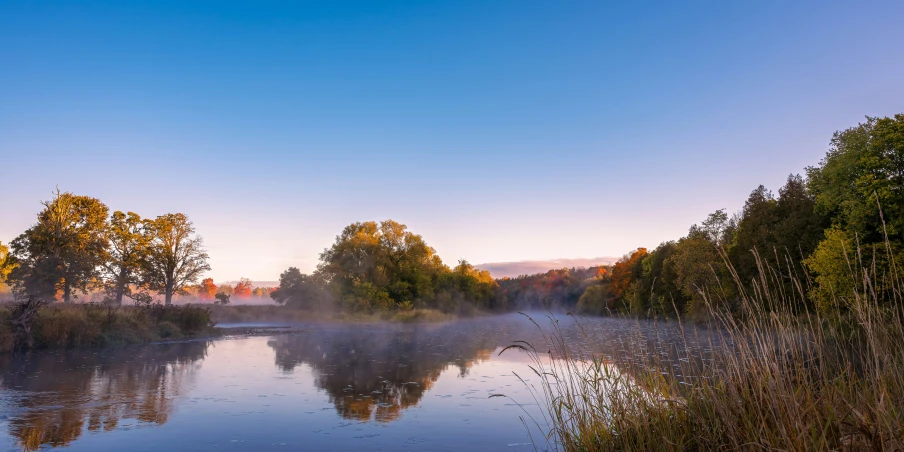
500	131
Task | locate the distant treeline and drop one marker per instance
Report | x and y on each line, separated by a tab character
844	217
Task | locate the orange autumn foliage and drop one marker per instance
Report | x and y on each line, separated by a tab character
242	289
207	289
626	270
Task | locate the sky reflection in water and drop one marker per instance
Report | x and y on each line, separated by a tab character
336	387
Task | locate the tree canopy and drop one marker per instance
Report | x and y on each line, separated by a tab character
64	250
175	257
128	248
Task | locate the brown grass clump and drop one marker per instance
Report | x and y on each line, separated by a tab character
780	380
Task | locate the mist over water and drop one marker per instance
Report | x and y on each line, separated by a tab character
316	386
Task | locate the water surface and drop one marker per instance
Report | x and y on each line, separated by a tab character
316	387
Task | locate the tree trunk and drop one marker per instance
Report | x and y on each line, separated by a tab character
119	292
169	294
21	319
67	291
120	288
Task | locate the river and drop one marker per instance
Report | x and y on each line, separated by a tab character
306	387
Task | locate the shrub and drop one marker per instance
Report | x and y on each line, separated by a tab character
168	330
90	325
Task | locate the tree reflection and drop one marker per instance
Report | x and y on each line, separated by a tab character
374	373
57	395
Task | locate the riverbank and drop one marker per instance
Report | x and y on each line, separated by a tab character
275	313
776	380
91	325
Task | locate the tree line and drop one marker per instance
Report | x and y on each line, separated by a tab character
244	289
807	247
76	245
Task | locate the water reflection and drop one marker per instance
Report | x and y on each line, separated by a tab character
373	373
57	396
323	387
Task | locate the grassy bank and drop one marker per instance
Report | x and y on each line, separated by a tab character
274	313
779	381
90	325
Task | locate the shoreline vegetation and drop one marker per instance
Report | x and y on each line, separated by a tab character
807	294
275	313
778	379
90	325
93	325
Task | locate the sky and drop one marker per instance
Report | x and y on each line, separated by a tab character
501	131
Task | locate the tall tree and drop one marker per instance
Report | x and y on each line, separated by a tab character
699	267
772	238
860	186
6	266
380	265
863	169
64	250
627	270
754	238
128	247
657	290
175	256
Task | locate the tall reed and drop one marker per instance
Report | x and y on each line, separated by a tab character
782	379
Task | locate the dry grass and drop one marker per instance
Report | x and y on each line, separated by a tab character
91	325
781	380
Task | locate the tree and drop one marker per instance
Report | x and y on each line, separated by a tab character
700	269
831	263
175	257
627	270
261	292
800	227
464	287
754	235
242	289
222	299
596	300
301	291
863	169
64	250
128	245
657	290
208	289
225	288
6	266
772	238
380	265
860	186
